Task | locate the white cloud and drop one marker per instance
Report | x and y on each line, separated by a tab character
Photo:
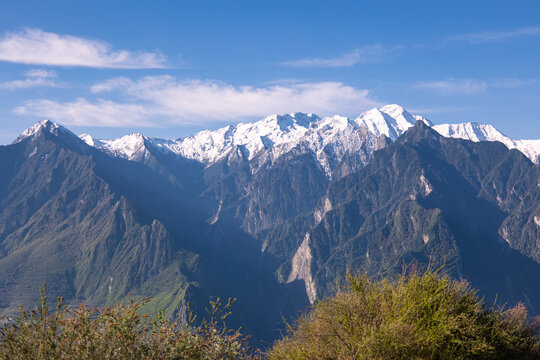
34	78
473	86
454	86
167	101
512	83
83	113
34	46
41	73
366	54
286	81
494	36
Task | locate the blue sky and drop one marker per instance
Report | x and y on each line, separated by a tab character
171	68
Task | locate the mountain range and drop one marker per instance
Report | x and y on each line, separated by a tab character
281	133
273	213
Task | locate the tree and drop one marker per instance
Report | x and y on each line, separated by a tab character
414	316
118	332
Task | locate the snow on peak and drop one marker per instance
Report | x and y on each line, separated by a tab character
471	131
88	139
485	132
287	121
390	120
381	123
49	127
276	134
127	147
274	130
46	125
395	111
402	116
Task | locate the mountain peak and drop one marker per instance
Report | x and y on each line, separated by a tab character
44	126
390	120
128	146
420	131
279	133
471	131
287	121
88	139
393	109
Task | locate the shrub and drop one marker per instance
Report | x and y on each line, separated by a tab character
415	316
118	332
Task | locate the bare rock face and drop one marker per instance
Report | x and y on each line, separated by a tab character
301	269
430	199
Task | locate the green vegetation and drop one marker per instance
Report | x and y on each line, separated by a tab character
118	332
415	316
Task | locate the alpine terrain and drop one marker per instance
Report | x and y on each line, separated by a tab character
273	213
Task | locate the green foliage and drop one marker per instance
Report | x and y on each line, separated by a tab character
118	332
416	316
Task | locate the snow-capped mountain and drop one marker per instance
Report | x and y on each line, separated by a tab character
390	120
266	205
485	132
48	126
328	138
128	146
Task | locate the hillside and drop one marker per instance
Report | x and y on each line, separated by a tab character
272	213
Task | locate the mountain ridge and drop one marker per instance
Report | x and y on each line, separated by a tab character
274	222
425	198
284	132
281	133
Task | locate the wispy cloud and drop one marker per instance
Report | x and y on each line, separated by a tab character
454	86
167	101
41	73
35	46
375	53
81	112
438	109
289	81
34	78
494	36
365	54
512	83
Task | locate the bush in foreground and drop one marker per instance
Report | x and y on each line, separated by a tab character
418	316
118	332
